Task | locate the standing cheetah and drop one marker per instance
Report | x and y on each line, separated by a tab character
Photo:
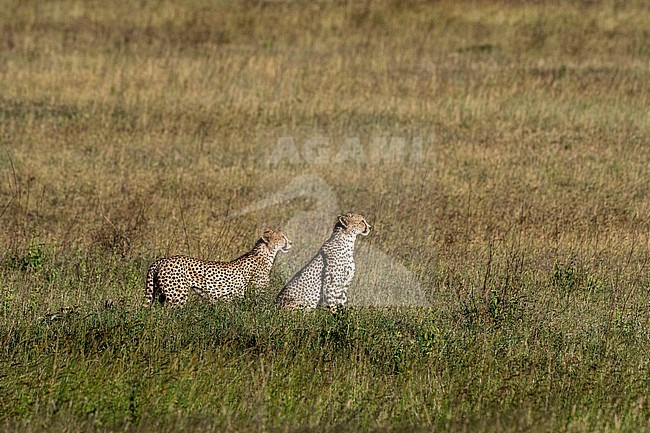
325	279
170	279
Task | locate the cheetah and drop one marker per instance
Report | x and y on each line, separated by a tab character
325	279
170	279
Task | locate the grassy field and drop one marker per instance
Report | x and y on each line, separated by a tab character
133	130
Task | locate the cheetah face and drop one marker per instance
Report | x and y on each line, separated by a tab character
276	241
354	223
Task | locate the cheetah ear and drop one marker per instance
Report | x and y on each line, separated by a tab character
343	221
266	237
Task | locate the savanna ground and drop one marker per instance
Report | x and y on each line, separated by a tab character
132	129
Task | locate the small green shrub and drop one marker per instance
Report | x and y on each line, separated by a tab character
31	259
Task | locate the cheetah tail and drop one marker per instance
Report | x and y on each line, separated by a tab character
150	289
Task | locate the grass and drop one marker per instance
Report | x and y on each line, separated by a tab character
132	130
251	367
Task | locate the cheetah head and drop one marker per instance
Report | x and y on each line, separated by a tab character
276	241
354	223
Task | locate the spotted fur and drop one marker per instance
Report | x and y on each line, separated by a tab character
170	279
325	279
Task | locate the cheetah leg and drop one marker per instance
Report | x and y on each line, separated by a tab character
182	300
260	280
182	294
174	289
334	296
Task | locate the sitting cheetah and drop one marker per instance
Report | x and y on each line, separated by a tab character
170	279
324	280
